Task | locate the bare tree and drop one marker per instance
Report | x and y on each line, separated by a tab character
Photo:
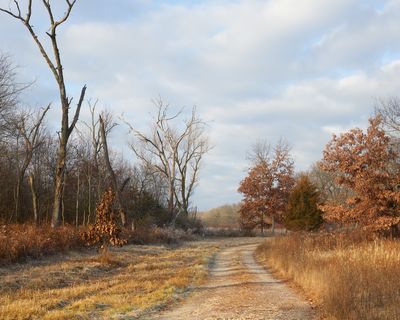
328	189
55	65
93	134
176	154
260	152
190	153
9	91
389	110
26	126
35	205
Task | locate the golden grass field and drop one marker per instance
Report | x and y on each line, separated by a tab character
348	279
133	280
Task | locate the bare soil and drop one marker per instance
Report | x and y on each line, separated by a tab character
239	288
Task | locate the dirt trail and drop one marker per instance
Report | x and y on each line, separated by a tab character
239	288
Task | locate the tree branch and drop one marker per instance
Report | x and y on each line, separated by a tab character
78	110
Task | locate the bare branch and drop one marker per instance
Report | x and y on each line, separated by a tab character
66	15
29	13
78	110
9	12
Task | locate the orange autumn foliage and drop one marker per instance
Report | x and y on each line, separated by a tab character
266	189
364	162
105	230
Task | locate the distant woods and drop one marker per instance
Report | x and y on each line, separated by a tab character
156	190
226	216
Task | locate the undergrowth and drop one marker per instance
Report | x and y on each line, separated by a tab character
21	241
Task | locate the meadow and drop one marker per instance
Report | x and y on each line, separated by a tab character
83	285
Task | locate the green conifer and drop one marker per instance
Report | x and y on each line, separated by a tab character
302	212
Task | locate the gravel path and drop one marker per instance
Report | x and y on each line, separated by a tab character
239	288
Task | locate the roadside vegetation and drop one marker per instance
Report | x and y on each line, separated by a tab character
19	242
128	281
24	242
348	276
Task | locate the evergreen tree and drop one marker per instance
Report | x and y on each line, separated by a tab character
302	211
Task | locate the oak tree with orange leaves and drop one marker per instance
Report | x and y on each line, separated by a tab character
266	189
365	162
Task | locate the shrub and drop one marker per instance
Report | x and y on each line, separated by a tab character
105	230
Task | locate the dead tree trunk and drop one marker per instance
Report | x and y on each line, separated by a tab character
31	179
111	172
77	201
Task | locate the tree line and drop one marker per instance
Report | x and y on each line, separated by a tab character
59	177
355	185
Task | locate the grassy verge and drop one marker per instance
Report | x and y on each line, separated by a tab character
350	279
21	242
133	280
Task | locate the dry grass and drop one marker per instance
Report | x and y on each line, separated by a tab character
19	241
155	234
349	278
127	281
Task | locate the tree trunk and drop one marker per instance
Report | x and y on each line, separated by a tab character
111	172
17	199
59	183
273	225
31	180
77	202
89	199
171	208
262	223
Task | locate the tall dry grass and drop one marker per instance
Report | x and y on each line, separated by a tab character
350	277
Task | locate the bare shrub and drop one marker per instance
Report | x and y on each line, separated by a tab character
21	241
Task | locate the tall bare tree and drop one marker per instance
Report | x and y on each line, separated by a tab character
91	132
190	153
54	63
175	154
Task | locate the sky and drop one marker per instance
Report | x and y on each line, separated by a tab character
255	70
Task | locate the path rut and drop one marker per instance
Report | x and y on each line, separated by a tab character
239	288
